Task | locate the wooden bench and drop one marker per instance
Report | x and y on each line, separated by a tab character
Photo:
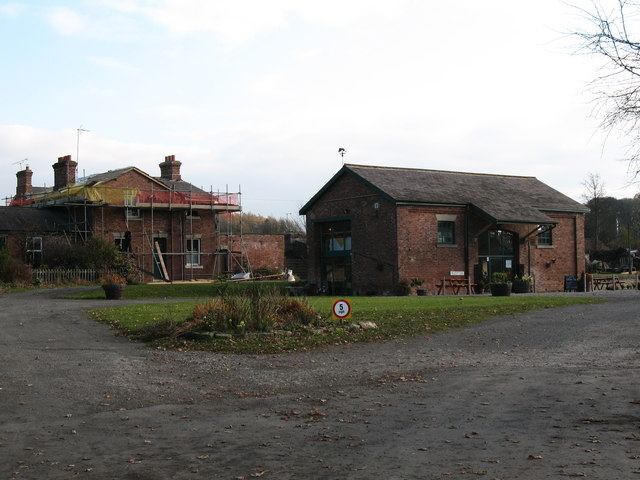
455	284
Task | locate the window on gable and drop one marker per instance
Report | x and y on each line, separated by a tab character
193	251
446	233
130	202
545	237
336	238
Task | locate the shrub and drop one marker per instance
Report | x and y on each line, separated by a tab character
258	309
265	271
13	270
402	289
500	277
112	279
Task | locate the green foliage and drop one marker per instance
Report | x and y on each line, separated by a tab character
500	277
13	270
98	253
265	271
402	289
258	310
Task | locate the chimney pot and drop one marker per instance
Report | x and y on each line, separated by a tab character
24	187
64	172
170	168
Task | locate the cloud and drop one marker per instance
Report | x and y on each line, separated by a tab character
111	63
11	9
66	21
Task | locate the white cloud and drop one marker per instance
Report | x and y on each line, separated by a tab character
66	21
112	63
11	9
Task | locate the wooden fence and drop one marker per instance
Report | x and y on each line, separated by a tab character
63	275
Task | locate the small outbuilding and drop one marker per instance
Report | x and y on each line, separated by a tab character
373	228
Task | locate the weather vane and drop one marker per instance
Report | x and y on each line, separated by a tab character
342	151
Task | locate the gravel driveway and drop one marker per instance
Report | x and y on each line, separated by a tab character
547	394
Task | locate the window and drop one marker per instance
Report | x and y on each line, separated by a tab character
336	238
3	242
130	201
193	251
122	241
446	233
545	237
133	213
34	251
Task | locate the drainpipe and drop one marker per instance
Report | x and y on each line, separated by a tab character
466	247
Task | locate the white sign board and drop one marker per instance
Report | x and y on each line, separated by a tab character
457	273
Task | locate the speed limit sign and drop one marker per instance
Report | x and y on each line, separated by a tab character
341	309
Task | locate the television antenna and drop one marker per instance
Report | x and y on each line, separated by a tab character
21	162
80	129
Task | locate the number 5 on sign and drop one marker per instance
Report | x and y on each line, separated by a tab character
341	309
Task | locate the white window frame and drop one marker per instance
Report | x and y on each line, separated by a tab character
130	202
193	257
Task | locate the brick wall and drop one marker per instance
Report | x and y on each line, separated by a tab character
373	223
376	240
173	226
263	250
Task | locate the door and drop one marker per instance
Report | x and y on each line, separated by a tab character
497	251
157	265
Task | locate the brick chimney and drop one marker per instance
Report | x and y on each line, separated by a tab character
24	188
170	168
64	172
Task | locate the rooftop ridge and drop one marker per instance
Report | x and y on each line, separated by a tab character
415	169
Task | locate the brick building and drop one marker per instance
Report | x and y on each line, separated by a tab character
171	227
370	228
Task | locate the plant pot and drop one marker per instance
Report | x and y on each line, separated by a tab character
500	289
113	291
521	286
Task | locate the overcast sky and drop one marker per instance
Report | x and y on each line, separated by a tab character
258	95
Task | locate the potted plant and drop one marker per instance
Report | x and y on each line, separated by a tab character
113	285
500	285
521	284
416	283
482	285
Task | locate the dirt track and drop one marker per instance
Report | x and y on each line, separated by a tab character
549	394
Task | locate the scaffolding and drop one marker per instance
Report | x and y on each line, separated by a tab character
231	250
229	254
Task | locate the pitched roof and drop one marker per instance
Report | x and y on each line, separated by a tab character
25	219
177	185
500	198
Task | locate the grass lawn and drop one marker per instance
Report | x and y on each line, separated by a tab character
175	290
394	316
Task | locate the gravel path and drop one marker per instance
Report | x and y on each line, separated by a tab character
547	394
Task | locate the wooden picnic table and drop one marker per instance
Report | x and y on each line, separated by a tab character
603	282
455	284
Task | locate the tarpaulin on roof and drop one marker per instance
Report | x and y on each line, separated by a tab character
127	197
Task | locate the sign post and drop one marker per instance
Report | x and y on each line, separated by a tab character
341	309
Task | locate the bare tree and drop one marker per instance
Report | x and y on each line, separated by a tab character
593	196
613	33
